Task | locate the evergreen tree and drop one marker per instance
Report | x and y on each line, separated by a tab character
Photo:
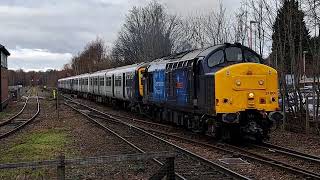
290	36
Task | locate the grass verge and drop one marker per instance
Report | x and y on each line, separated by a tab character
36	146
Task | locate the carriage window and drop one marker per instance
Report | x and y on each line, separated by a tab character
128	81
216	58
108	81
251	57
101	81
117	81
234	54
95	81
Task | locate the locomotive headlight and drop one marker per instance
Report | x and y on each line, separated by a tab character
251	95
261	82
238	83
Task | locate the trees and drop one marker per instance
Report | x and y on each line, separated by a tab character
290	37
147	34
94	57
204	30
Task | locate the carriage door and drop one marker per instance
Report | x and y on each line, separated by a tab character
124	85
112	85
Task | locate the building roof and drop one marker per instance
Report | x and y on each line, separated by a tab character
4	50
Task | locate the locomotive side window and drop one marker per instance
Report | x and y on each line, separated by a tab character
251	57
233	54
216	58
150	84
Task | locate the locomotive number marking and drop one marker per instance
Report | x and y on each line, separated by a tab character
271	93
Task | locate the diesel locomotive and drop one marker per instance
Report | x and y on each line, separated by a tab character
224	90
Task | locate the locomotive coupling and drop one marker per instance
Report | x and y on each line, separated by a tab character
276	116
231	118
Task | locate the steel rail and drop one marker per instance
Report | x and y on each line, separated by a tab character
20	112
221	147
16	115
6	134
204	160
252	156
290	152
122	116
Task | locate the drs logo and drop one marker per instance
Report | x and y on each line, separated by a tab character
179	85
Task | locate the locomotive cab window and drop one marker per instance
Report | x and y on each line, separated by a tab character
233	54
250	56
216	58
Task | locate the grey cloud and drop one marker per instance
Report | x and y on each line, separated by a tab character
65	26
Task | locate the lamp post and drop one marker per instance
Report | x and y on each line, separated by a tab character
304	68
304	62
251	22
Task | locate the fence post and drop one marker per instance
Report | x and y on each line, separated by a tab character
61	168
283	127
170	168
307	114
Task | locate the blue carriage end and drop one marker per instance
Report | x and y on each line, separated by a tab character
159	89
182	93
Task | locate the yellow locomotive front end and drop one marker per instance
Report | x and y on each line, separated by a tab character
246	86
247	94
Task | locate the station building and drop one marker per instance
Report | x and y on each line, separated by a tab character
4	93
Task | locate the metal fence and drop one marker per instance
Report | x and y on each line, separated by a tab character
166	170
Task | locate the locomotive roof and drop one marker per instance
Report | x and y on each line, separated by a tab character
193	54
157	64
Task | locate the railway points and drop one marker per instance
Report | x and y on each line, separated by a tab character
26	115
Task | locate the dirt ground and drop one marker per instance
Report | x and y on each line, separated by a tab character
66	133
298	141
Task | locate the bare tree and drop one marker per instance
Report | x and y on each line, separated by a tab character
146	35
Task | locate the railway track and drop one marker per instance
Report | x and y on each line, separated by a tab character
29	112
298	163
187	164
301	164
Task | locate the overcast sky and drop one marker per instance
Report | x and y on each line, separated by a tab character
44	34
